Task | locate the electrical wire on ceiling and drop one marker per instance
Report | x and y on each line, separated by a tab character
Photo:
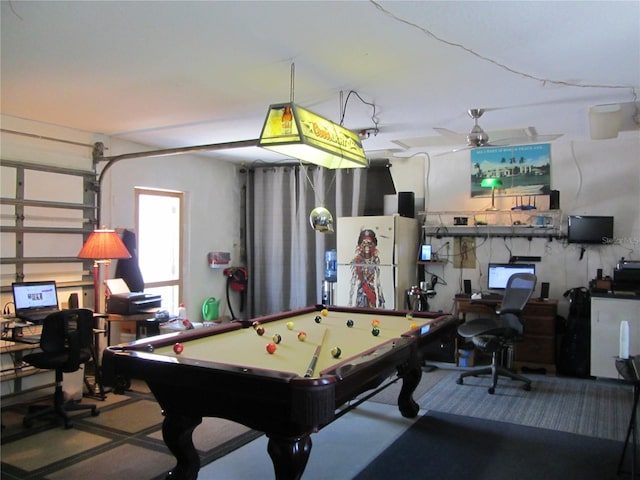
343	111
544	81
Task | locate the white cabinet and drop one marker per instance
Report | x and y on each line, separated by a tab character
606	315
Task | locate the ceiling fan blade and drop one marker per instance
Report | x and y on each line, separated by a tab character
450	133
442	154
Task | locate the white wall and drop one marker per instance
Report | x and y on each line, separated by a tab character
593	177
212	212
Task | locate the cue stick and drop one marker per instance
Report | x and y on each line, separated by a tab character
316	354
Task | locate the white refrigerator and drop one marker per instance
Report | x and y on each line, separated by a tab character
377	260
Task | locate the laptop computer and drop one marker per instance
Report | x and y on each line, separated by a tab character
33	301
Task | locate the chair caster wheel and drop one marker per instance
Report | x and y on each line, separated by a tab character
491	390
459	381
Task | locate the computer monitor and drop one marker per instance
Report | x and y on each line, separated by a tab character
499	273
425	253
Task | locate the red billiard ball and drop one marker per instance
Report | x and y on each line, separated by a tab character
375	323
178	348
302	336
271	348
260	331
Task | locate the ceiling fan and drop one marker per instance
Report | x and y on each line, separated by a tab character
477	137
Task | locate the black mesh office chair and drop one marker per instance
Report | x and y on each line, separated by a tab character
66	341
494	335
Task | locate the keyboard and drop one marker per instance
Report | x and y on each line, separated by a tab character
35	317
492	296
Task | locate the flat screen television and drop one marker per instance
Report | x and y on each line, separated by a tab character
499	273
590	229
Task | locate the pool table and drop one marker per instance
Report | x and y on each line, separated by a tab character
299	387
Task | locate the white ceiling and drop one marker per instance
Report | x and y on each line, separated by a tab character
174	74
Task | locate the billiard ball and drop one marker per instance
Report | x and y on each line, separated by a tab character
336	352
290	325
260	331
149	348
349	323
375	331
187	323
277	338
178	348
413	326
324	312
318	319
302	336
375	323
271	348
255	325
409	317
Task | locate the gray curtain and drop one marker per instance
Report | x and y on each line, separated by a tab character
285	256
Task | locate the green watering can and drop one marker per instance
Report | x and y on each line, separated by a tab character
210	309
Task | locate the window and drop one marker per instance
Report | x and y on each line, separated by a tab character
159	234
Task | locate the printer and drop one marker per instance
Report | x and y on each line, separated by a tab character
626	276
130	303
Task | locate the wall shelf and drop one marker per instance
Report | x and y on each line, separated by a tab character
507	223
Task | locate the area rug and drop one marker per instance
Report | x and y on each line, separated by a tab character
597	408
445	446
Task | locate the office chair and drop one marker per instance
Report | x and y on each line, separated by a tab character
494	335
66	340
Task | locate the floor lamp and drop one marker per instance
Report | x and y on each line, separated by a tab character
102	246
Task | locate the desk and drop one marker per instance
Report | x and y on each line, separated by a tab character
538	348
226	371
146	324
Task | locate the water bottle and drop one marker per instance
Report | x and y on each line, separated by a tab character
330	261
182	312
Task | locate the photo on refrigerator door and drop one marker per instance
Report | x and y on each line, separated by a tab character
366	286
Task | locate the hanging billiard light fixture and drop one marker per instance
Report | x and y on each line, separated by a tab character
298	133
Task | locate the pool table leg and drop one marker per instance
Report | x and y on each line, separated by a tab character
289	456
411	376
177	433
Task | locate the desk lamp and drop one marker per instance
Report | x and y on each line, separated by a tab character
492	183
102	246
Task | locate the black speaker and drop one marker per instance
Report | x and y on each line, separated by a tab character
544	291
406	204
73	301
554	200
467	287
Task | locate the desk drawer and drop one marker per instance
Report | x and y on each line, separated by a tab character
539	325
535	350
